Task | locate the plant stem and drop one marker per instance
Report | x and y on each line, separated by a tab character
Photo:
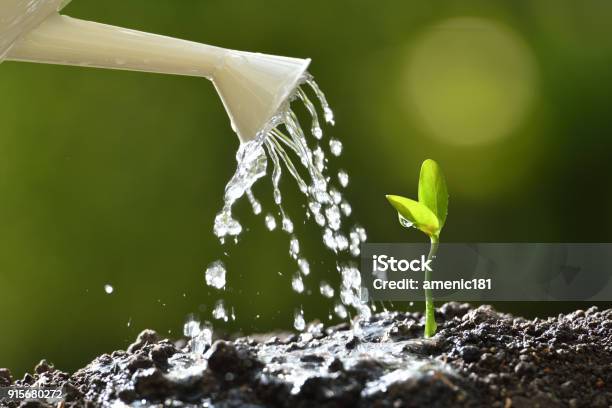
430	318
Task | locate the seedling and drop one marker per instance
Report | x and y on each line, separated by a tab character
428	215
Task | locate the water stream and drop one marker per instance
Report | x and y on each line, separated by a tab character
382	346
284	146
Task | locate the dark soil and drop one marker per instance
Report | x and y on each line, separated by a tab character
479	358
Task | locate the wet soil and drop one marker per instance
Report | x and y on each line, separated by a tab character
479	358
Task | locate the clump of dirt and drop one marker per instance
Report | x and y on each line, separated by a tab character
479	358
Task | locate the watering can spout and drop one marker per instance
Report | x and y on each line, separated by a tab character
252	86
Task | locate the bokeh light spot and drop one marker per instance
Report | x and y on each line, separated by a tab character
469	81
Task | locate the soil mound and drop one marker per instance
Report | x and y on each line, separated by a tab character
479	358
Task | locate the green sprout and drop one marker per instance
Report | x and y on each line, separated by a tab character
428	214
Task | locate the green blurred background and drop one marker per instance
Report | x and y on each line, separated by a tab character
115	177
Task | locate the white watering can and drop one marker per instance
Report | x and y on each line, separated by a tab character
252	86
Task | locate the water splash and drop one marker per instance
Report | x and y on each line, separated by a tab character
252	165
108	289
200	335
284	146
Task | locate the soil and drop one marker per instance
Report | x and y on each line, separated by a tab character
479	358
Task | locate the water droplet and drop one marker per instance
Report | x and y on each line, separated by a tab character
347	296
315	209
297	283
191	328
328	239
294	247
329	115
270	222
333	217
361	233
343	178
351	277
335	195
256	205
340	311
219	311
335	147
298	320
225	224
287	225
108	289
319	158
326	289
405	222
346	208
341	242
278	198
304	266
215	275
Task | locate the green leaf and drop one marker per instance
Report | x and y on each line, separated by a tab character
432	190
418	214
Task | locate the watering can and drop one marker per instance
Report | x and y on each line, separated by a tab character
252	86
